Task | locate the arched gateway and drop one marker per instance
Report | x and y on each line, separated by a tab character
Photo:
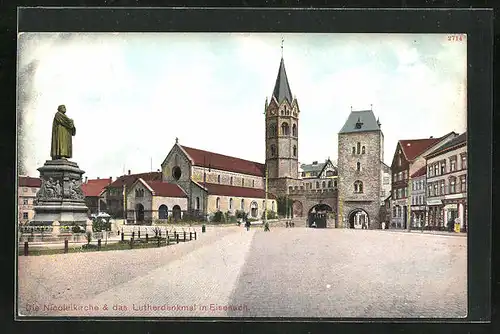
318	215
359	219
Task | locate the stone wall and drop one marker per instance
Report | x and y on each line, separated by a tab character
224	204
227	178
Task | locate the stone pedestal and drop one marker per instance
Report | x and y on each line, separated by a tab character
60	197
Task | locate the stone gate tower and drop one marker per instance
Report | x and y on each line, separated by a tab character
360	156
282	130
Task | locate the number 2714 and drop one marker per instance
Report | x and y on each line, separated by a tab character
455	38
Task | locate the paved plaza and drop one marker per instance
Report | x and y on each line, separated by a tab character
228	271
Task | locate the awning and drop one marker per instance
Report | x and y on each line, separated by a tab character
434	202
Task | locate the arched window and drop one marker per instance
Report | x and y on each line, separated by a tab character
253	183
231	180
358	148
324	184
285	129
273	150
353	150
272	206
242	204
218	178
363	150
358	187
272	130
254	209
290	188
317	185
358	166
330	184
217	203
230	204
294	150
335	183
197	203
163	212
294	130
330	173
242	182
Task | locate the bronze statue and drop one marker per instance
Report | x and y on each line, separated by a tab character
63	128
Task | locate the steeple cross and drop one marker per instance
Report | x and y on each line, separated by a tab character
282	41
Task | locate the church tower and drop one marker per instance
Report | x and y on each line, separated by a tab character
282	130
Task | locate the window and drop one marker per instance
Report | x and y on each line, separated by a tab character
324	184
317	185
34	190
443	167
242	204
453	164
463	184
358	166
242	182
335	183
197	203
139	193
405	175
394	177
400	176
386	179
363	150
382	193
329	184
253	183
435	193
231	180
464	161
429	170
285	129
273	150
358	148
294	130
358	187
353	150
453	185
294	150
25	201
429	191
329	173
394	212
163	212
25	215
441	186
399	161
217	203
272	130
218	178
272	206
406	192
436	169
230	204
25	189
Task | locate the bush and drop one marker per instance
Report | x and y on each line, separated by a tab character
240	214
270	215
218	217
99	224
76	229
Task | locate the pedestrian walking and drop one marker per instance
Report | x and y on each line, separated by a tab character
247	225
286	224
266	227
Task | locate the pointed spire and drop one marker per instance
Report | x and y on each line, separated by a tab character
282	88
265	106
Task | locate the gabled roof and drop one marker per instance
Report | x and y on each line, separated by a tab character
314	167
282	88
458	141
223	162
366	119
128	180
422	171
165	189
94	187
226	190
412	148
28	181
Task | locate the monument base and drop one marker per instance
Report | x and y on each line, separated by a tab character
60	197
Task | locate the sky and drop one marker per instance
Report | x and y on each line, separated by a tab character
131	94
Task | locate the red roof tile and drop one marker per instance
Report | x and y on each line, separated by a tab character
223	162
128	180
166	189
420	172
412	148
93	188
27	181
225	190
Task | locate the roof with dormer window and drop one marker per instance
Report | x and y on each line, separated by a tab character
360	121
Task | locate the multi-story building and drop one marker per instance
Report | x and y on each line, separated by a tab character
27	187
360	170
92	189
418	197
447	184
409	157
385	176
318	175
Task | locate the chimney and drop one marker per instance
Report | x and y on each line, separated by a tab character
158	170
86	179
129	172
432	137
110	179
98	177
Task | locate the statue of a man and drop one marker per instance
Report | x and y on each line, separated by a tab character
63	129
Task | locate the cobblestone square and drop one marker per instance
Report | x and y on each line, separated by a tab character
228	271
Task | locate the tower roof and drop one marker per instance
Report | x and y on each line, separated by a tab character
360	121
282	88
